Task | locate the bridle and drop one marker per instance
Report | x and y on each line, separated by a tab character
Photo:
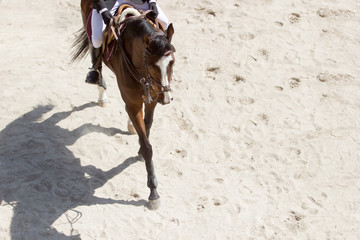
149	77
146	81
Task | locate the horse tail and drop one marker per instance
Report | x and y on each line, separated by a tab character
80	45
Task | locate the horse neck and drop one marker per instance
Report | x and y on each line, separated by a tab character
135	49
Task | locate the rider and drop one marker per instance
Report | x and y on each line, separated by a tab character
102	14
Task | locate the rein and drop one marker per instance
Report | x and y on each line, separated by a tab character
146	81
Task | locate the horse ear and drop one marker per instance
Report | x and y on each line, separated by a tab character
170	32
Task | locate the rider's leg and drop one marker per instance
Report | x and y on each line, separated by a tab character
97	28
162	17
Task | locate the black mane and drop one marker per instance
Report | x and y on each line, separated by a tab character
139	28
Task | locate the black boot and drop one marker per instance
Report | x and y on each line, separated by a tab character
94	76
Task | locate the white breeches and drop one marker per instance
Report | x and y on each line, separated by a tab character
98	26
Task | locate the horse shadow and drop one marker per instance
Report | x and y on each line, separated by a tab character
42	179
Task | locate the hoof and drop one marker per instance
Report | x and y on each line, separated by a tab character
102	103
153	204
131	127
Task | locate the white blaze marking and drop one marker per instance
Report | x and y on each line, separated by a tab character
163	64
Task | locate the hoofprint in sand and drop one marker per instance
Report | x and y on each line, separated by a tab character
261	141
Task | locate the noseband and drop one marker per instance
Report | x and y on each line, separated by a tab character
146	81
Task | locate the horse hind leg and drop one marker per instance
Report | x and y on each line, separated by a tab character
131	127
103	100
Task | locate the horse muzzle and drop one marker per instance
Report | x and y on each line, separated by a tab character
166	99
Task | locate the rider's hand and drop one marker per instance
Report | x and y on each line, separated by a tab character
155	12
107	16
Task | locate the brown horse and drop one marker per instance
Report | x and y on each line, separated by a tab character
142	63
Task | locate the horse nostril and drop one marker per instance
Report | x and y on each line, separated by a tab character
171	98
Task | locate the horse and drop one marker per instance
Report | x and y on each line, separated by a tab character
142	62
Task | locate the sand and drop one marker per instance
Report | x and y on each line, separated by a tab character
262	140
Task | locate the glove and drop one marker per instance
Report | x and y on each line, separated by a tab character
107	16
153	15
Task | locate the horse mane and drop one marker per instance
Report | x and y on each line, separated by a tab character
139	28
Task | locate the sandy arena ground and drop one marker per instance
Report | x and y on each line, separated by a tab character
262	141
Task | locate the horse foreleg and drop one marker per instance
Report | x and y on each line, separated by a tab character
103	100
136	116
149	115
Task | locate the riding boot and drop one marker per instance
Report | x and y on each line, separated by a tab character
94	76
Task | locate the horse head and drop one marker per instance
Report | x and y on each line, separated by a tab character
159	61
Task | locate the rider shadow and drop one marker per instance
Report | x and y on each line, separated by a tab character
42	179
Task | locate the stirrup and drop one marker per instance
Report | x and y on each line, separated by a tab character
93	76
